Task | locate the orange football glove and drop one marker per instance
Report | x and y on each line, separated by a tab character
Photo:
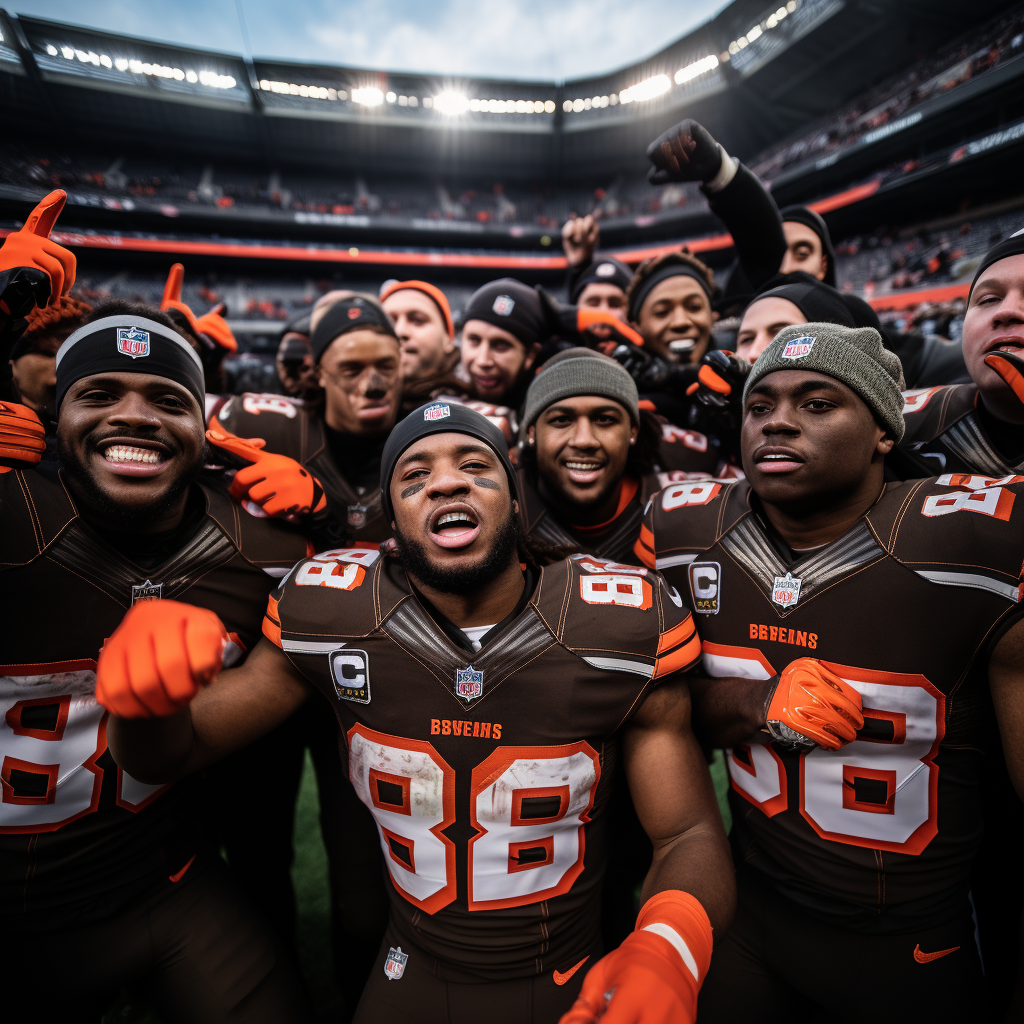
172	295
158	659
655	974
31	246
22	435
1010	368
215	327
813	703
621	331
278	484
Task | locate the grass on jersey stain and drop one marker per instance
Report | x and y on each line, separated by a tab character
309	874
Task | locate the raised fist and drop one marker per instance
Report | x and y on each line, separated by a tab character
686	152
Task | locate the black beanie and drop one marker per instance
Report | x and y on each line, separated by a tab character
355	314
510	305
1012	246
815	299
441	418
814	221
604	270
129	344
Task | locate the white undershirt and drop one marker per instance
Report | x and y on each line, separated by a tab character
475	633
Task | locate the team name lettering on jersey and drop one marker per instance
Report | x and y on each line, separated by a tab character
468	730
782	635
255	404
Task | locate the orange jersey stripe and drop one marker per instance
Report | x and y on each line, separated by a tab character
272	630
644	554
678	634
678	660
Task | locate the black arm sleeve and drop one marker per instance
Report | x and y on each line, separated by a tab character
747	209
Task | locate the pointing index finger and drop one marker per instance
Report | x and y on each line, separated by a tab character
41	220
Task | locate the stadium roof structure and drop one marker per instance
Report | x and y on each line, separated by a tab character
108	89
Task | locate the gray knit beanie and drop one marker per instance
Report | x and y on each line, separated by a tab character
853	355
575	372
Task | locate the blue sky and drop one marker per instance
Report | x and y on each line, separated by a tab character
501	38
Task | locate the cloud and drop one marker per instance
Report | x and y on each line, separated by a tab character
498	38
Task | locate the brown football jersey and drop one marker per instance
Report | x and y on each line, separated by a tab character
686	451
946	433
613	539
79	837
488	773
290	429
906	606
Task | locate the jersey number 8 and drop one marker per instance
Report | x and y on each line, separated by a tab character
528	805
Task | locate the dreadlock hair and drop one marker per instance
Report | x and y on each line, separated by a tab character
641	460
64	315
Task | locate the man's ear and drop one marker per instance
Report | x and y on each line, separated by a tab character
515	506
715	317
531	355
824	267
885	444
531	434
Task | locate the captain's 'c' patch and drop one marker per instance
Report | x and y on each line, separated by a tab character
350	672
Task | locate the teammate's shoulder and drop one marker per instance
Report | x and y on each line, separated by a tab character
618	618
266	412
35	508
684	450
692	515
268	542
929	412
954	520
331	594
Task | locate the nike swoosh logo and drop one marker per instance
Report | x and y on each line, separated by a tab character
179	875
561	979
926	958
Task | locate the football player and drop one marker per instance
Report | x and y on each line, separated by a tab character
587	467
109	871
478	703
338	441
977	427
424	325
855	748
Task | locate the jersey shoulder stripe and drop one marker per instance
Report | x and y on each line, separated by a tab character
35	509
929	412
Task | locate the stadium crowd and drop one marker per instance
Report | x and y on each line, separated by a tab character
511	581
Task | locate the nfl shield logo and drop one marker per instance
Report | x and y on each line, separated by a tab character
503	305
438	411
394	966
147	591
797	348
132	342
469	683
786	591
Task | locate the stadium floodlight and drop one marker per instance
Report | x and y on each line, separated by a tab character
451	103
367	96
135	66
391	97
648	89
697	68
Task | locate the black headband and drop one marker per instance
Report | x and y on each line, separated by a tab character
663	273
510	305
129	344
441	418
1012	246
815	299
603	270
355	314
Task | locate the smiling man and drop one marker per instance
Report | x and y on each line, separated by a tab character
587	464
88	854
856	748
478	704
338	439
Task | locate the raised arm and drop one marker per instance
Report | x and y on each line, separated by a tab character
171	712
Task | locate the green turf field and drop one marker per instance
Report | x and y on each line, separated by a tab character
310	876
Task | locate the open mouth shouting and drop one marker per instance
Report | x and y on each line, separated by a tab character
131	456
454	526
1011	343
773	459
